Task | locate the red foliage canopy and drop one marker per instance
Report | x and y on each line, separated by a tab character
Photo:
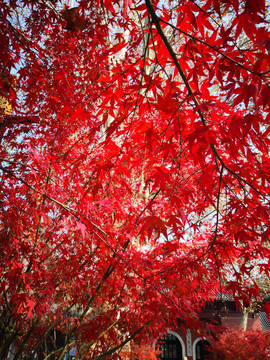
134	166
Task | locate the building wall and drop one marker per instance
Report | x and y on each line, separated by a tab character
230	319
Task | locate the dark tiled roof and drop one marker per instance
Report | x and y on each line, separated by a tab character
224	297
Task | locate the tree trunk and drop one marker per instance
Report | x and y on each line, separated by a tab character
244	320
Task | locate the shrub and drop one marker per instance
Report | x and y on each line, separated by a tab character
236	344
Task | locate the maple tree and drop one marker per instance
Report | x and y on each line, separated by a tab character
134	168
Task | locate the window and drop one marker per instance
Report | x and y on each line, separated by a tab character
202	351
170	348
